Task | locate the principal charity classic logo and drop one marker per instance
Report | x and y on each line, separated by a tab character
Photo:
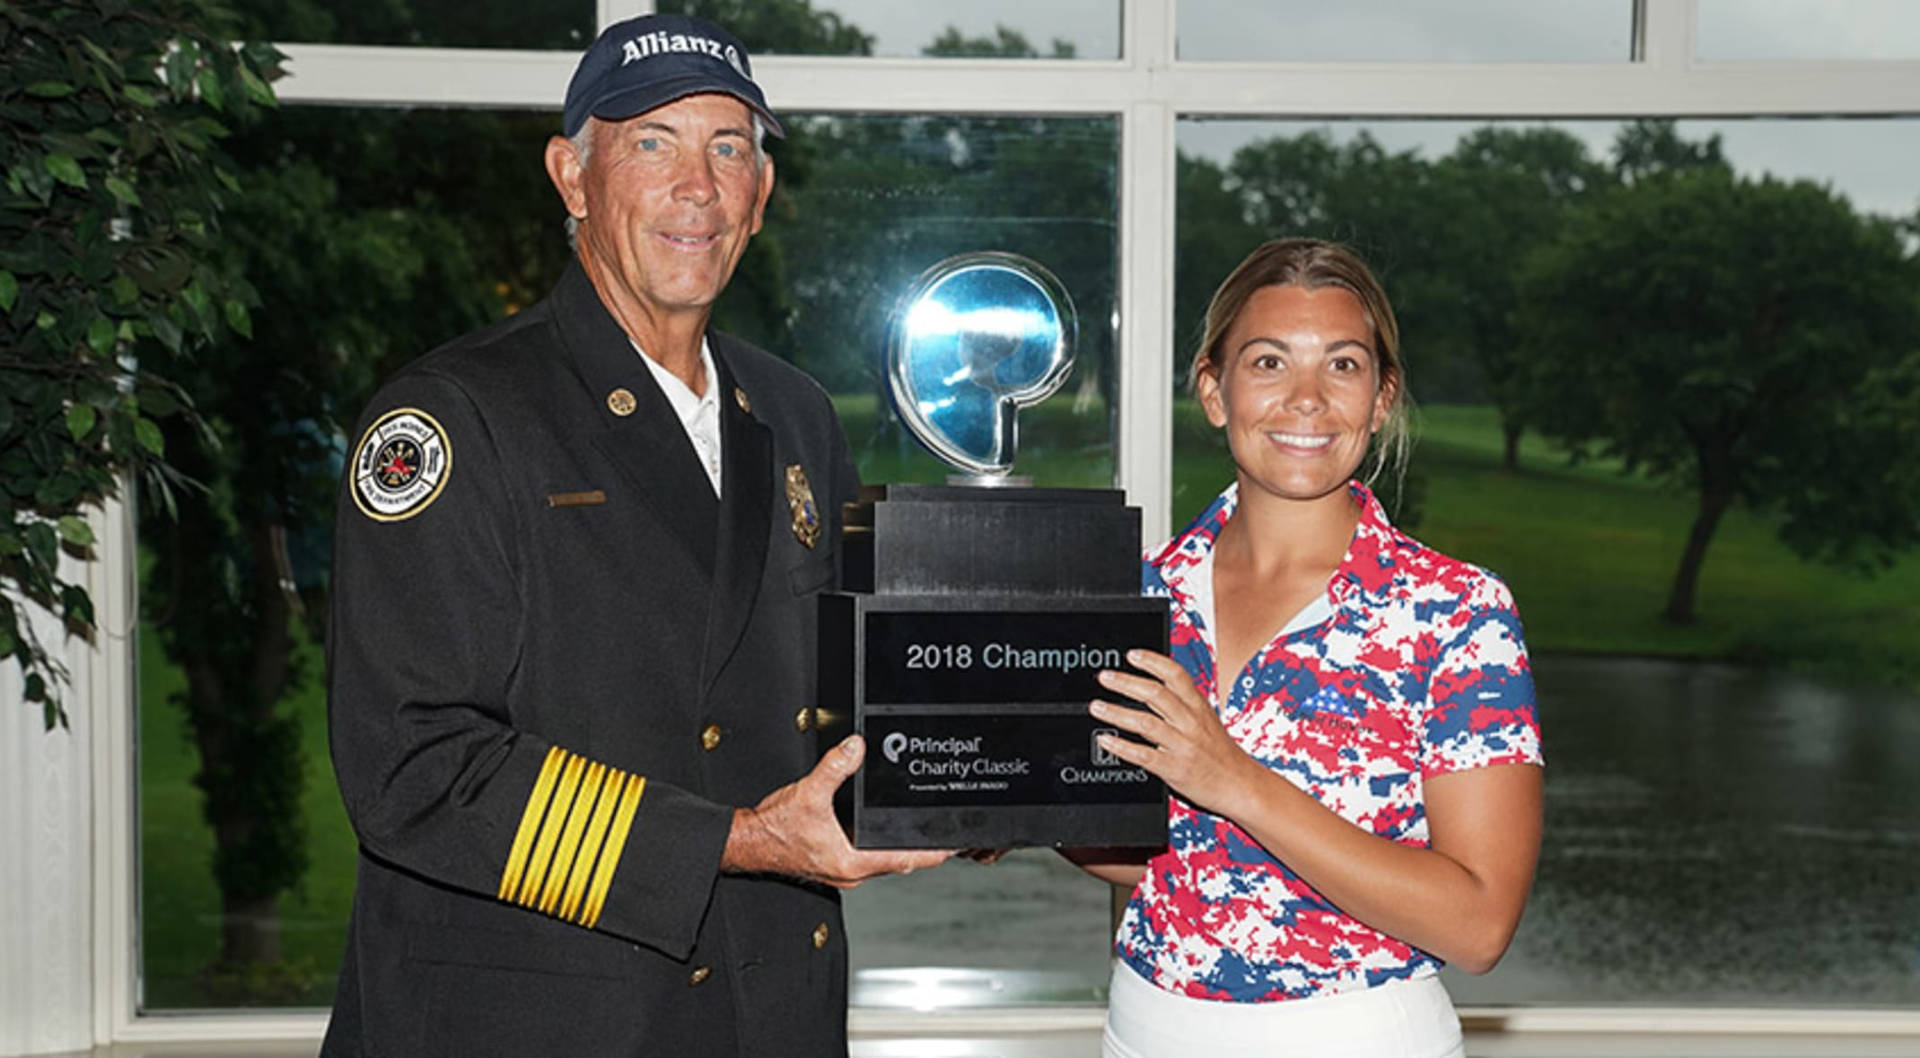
976	338
1101	757
950	758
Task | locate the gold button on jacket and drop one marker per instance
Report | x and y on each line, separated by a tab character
820	935
803	720
699	974
710	737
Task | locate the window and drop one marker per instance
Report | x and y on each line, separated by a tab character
372	235
869	202
1675	859
566	24
881	199
1743	31
1007	29
1138	206
1406	31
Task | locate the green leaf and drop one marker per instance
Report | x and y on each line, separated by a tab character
157	401
66	170
211	89
167	331
147	432
33	179
7	640
100	54
257	89
42	544
81	419
77	603
237	318
125	291
36	688
180	63
75	530
50	89
195	295
122	191
9	291
140	96
57	491
100	335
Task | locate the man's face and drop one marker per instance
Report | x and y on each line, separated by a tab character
667	201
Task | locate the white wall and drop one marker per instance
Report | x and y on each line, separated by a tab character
49	870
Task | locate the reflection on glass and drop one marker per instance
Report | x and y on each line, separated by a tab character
1692	807
871	202
1029	930
1405	31
370	236
1738	30
373	235
561	25
1008	29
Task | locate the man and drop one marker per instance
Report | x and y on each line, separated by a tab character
571	657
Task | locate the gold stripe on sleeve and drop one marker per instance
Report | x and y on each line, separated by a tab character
530	822
542	857
610	854
590	844
570	837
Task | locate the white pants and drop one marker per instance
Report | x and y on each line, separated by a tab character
1401	1019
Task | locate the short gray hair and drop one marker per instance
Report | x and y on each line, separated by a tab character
583	146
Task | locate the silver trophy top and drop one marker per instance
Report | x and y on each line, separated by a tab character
975	339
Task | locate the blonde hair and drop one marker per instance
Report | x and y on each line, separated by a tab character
1314	264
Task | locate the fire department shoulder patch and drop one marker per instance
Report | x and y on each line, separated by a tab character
401	465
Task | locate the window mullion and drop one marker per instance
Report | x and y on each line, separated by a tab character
607	12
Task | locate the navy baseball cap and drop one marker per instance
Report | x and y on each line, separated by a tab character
650	61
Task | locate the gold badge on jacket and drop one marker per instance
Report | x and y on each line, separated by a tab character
806	515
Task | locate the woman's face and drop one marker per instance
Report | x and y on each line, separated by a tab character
1297	390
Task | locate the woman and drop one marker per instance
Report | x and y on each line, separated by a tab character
1358	800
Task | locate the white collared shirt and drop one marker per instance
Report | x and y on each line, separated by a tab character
699	415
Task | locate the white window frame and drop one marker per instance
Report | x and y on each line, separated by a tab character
1148	90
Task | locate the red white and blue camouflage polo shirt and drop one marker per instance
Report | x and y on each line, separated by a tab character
1420	670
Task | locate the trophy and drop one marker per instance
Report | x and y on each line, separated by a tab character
973	616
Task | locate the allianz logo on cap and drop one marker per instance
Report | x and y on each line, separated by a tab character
660	42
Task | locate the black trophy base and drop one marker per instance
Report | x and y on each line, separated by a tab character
1010	827
974	711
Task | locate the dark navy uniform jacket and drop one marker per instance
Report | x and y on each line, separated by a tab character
556	665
